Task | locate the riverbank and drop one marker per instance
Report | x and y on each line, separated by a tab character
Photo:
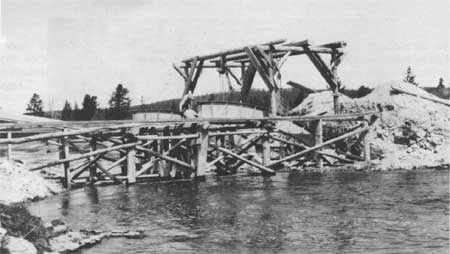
413	131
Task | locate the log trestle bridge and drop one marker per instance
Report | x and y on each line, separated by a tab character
127	152
131	151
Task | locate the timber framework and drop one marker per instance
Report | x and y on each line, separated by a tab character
266	59
128	152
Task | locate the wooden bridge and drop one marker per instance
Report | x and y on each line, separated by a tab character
127	152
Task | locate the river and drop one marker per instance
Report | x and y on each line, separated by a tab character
294	212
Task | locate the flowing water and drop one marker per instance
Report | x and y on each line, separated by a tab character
333	212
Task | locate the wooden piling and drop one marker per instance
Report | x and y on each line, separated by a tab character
265	150
202	152
9	152
64	154
318	138
366	143
131	166
93	167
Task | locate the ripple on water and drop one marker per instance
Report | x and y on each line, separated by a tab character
335	212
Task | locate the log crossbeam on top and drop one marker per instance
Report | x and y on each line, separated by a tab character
266	59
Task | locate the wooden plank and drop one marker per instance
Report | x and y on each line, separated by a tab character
86	155
311	149
239	157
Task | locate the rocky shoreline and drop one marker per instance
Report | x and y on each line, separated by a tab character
21	232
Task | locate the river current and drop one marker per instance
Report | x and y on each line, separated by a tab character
294	212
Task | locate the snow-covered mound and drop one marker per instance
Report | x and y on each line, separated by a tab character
18	184
412	131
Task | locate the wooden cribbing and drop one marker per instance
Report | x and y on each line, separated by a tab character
314	148
92	160
239	157
165	157
106	172
86	155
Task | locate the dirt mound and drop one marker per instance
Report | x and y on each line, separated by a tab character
413	131
18	184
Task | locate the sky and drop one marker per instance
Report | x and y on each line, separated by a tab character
64	49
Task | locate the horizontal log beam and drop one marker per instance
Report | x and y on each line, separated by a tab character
161	124
86	155
154	137
230	51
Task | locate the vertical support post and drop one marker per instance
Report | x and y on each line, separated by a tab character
202	151
273	102
366	143
131	166
318	137
123	165
9	153
336	101
265	150
64	154
93	167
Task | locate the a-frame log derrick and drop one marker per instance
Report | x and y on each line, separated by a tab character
266	59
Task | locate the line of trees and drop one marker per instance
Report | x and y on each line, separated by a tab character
119	103
119	107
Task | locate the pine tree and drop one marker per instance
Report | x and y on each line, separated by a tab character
89	107
410	77
441	83
119	104
35	107
66	113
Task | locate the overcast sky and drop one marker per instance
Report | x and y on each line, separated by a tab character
63	49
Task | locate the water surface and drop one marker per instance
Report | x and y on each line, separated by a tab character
333	212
